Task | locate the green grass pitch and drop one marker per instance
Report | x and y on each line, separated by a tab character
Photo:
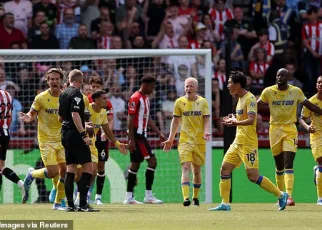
175	216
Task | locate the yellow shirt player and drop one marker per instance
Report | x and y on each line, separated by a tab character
45	108
315	130
193	112
283	100
245	146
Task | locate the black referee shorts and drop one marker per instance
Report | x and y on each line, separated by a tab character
76	151
4	143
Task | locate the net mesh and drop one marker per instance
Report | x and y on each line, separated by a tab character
24	77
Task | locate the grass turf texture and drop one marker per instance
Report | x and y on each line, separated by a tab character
174	216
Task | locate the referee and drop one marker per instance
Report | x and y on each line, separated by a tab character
75	141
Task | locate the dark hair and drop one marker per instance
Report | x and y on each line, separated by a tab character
98	94
7	14
15	43
312	9
238	77
55	70
44	23
148	79
96	79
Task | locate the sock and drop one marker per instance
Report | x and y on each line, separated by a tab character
149	178
10	175
40	173
131	180
289	181
224	187
69	188
90	190
279	177
185	187
100	179
84	184
0	180
319	181
268	186
196	189
60	194
98	196
55	181
148	193
129	195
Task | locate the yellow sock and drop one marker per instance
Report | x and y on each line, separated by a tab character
196	189
185	186
289	181
279	177
40	173
319	182
60	191
55	181
224	187
268	186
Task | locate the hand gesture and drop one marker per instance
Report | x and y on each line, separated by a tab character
25	117
132	146
87	140
162	137
167	145
122	148
207	136
311	129
89	129
229	120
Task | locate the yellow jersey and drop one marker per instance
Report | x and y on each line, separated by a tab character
86	102
46	105
316	119
97	119
282	103
246	134
192	115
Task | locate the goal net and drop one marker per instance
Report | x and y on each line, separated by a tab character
22	74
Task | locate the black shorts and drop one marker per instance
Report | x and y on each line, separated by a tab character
4	143
76	151
143	150
102	148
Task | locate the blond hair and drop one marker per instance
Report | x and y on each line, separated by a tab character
74	75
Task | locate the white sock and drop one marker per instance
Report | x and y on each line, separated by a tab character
129	195
320	198
20	183
97	196
148	193
78	195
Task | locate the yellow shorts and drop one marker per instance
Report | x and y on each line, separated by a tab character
192	153
94	153
283	138
237	153
52	153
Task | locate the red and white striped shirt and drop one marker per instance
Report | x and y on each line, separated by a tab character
104	42
259	68
221	78
139	106
5	109
311	33
220	18
194	44
268	46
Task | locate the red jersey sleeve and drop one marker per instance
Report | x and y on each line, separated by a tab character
109	108
133	105
90	99
252	66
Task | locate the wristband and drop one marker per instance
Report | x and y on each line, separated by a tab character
83	134
117	143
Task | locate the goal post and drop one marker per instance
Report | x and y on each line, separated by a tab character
169	66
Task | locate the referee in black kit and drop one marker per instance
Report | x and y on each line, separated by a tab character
75	141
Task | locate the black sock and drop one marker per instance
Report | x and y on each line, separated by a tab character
0	181
100	179
10	175
131	180
149	178
77	183
84	184
69	188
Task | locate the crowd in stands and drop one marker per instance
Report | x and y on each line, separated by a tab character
265	36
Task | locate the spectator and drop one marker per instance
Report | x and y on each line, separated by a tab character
9	34
216	105
2	12
211	34
104	40
45	40
82	41
67	30
49	8
182	67
89	12
96	24
178	23
155	13
131	83
167	107
17	126
35	28
199	6
263	43
22	11
130	33
4	83
68	4
220	73
312	48
290	66
119	112
220	15
112	76
258	68
184	9
250	87
201	66
155	110
116	42
127	13
201	32
86	89
246	33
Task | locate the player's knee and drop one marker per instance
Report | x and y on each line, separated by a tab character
135	167
224	171
52	172
252	177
